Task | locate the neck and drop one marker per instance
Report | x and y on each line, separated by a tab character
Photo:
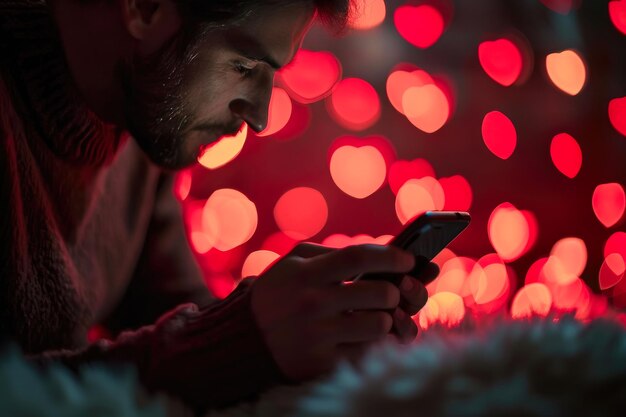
45	91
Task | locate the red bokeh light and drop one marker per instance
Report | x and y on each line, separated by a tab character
489	280
566	154
509	232
567	71
612	271
339	240
426	107
445	307
616	243
421	26
301	213
399	81
279	112
502	61
499	134
257	262
608	203
536	272
358	172
414	198
224	149
458	193
617	12
311	75
229	219
354	104
182	185
370	13
402	171
221	285
279	243
530	300
617	114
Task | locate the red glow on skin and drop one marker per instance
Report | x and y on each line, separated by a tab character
458	193
531	300
567	71
399	81
612	271
616	243
402	171
502	61
509	232
426	107
566	155
279	243
371	13
354	104
229	219
224	150
341	241
445	307
279	112
421	26
358	172
258	262
182	185
617	11
301	213
311	75
617	114
559	6
608	203
499	134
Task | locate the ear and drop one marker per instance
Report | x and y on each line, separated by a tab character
150	22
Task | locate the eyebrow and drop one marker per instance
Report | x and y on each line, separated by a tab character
252	49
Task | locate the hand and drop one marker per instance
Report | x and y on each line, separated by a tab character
310	318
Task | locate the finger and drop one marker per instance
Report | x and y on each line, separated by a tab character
424	270
404	326
361	295
358	326
413	295
342	264
309	250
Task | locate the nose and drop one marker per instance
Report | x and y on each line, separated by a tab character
253	106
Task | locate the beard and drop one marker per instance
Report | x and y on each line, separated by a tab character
157	110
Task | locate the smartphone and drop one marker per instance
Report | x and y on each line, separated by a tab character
425	236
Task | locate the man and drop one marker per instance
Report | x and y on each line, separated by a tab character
90	231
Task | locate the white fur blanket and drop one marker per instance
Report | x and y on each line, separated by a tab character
512	368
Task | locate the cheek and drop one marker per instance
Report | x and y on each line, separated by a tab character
209	98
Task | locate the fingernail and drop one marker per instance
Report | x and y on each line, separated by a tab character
407	284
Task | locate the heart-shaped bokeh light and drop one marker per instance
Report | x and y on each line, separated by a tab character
419	25
279	112
502	60
567	71
311	75
402	171
499	134
224	149
229	219
399	81
530	300
608	203
458	193
617	12
257	262
354	104
368	14
418	196
509	232
617	114
426	107
566	154
358	172
301	213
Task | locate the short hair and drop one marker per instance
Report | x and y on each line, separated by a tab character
333	13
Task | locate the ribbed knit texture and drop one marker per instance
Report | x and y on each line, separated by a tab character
90	232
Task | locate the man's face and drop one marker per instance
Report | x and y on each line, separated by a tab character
190	95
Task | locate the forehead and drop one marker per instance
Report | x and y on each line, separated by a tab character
274	30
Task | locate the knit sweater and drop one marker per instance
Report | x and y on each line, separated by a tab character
90	231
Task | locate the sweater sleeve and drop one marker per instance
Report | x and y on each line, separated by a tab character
208	357
166	274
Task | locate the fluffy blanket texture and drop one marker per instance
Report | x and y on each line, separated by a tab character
536	368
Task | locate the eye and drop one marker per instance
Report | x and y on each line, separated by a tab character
244	68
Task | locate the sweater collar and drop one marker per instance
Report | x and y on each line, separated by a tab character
45	91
